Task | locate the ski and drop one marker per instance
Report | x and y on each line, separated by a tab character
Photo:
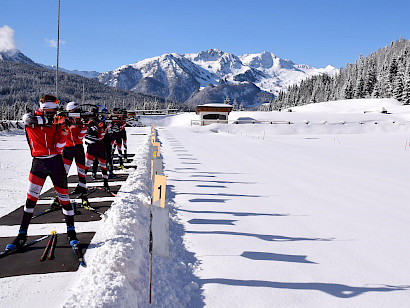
48	246
53	247
49	210
85	205
125	167
107	190
90	190
11	248
78	252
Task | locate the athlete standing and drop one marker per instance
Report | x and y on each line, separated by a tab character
46	135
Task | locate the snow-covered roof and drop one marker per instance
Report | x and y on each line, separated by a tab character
216	105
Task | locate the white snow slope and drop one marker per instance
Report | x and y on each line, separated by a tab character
310	214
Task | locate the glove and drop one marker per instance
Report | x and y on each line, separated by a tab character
85	121
48	119
62	120
59	120
28	119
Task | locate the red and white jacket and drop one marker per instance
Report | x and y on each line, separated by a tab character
75	135
95	132
45	140
118	126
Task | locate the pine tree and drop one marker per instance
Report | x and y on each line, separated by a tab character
393	69
398	87
348	90
235	105
371	79
376	90
406	82
359	89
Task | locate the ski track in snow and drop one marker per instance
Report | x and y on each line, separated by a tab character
312	221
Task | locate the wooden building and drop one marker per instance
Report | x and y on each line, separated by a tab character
213	113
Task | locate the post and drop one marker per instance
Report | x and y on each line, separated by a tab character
58	46
150	255
83	95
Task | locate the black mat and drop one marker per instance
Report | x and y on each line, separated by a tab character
89	178
14	218
51	193
28	262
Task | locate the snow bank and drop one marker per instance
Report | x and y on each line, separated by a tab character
116	274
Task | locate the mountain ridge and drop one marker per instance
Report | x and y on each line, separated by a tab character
180	76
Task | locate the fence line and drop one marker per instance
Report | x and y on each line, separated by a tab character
205	122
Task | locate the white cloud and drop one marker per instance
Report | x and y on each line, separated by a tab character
53	43
7	42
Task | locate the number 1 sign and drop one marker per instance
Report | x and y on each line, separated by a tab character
160	185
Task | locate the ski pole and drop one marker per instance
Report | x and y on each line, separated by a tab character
44	255
53	247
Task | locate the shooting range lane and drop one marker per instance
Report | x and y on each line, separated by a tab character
28	261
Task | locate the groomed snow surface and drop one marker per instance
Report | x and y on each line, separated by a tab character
310	214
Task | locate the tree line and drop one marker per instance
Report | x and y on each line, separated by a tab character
383	74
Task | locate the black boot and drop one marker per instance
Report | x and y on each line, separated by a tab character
72	236
106	187
85	201
74	205
56	204
78	190
111	175
20	240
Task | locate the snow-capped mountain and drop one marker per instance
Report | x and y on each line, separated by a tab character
170	76
177	77
15	55
278	74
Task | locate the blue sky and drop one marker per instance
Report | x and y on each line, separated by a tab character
103	35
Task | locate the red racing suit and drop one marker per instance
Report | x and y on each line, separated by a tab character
45	139
76	135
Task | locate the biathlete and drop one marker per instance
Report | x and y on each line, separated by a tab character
46	135
119	136
95	148
108	153
74	149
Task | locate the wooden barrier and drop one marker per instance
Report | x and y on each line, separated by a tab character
159	214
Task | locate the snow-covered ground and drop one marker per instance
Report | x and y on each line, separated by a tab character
310	214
